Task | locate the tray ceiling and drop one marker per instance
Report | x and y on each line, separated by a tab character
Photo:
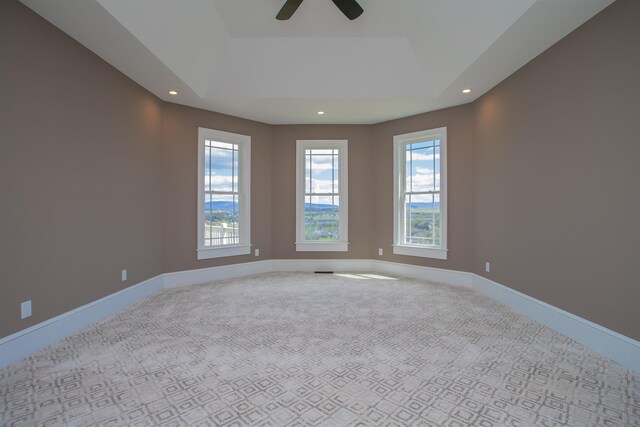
401	57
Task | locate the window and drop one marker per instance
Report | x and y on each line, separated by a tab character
420	194
321	195
224	182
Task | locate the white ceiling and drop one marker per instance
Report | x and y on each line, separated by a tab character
401	57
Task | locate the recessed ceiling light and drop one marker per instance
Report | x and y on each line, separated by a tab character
466	90
173	92
321	112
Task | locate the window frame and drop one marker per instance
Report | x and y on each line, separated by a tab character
399	185
244	194
342	244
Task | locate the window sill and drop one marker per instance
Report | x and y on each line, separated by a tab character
223	251
322	247
436	253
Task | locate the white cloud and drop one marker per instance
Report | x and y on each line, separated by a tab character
421	156
218	179
218	182
321	185
424	171
318	167
423	179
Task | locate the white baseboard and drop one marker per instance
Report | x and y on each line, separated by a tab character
310	265
17	346
620	348
205	275
439	275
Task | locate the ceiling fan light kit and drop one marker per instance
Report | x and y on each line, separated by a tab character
350	8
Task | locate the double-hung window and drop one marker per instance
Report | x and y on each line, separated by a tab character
420	194
321	195
224	180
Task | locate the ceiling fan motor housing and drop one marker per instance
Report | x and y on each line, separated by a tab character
350	8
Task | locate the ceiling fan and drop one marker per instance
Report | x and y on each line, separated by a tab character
350	8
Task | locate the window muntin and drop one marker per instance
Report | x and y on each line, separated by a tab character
321	218
420	194
223	194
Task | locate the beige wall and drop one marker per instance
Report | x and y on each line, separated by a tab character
180	190
557	173
80	171
459	124
361	192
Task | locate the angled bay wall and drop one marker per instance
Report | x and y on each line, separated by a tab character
80	173
557	174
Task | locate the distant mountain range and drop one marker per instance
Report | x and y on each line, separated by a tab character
318	206
220	206
425	205
413	206
227	206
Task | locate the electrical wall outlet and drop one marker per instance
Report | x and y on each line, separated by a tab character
487	267
380	251
257	252
25	309
124	275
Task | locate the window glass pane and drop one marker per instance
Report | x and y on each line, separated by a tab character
223	145
321	174
321	151
221	166
422	219
221	219
321	217
307	172
422	145
421	161
207	167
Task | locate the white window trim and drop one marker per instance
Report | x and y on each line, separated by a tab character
341	245
399	171
244	187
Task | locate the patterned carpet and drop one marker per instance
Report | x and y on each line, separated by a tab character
303	349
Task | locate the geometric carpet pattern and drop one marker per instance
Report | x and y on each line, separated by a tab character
298	349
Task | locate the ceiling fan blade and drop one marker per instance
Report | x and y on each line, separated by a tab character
350	8
288	10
